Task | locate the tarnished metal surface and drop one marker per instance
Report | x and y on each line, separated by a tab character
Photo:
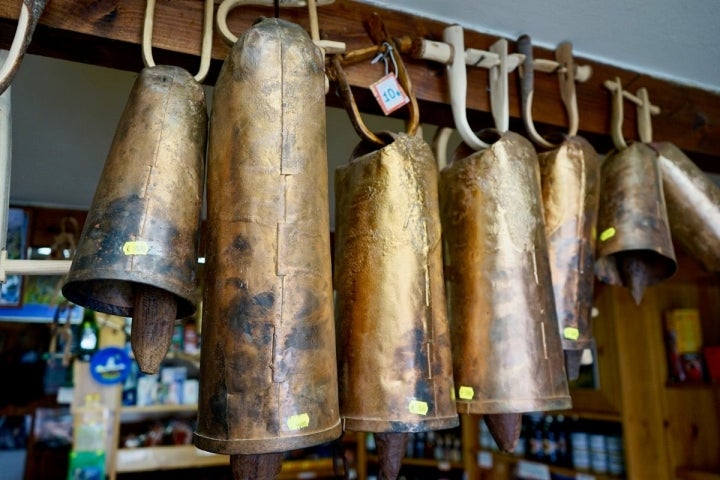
142	226
268	379
634	248
570	177
693	205
394	365
507	355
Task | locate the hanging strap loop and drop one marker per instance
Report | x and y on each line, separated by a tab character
568	73
387	47
645	110
206	48
30	13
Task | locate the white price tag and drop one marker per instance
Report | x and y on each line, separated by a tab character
389	94
485	460
532	470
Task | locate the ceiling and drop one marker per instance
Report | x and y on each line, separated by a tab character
64	114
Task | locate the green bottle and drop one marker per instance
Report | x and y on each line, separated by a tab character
88	336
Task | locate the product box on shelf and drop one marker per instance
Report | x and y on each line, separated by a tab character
684	343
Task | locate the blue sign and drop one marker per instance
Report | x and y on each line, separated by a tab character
110	365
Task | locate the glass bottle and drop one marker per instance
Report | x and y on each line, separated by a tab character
89	337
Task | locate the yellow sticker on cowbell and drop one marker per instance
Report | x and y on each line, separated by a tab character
136	248
296	422
607	234
466	393
571	333
418	407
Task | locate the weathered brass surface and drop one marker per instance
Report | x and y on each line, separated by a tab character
570	177
142	227
693	205
268	379
634	248
507	355
394	355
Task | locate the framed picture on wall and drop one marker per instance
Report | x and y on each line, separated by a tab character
11	293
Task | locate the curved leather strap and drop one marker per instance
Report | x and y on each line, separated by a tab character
30	13
206	48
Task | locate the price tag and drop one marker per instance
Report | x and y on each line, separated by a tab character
466	393
389	94
297	422
418	407
607	234
532	470
136	248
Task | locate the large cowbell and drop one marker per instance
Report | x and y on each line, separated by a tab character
507	356
570	177
140	238
394	355
268	375
693	205
634	248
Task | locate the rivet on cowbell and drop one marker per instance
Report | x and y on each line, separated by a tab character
570	179
635	247
268	370
137	253
394	355
507	355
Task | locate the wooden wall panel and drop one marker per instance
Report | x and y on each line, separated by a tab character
108	32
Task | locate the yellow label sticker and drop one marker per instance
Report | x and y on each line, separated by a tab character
418	407
607	234
297	422
571	333
136	248
466	393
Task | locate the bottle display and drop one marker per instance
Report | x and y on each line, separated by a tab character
88	343
584	445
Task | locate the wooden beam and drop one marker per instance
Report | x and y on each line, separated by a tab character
108	33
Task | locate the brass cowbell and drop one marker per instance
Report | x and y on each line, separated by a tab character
137	254
506	346
507	356
635	247
140	240
570	180
394	355
268	375
693	205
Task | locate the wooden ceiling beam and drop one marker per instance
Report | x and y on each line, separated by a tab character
108	33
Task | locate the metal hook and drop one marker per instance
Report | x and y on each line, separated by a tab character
645	110
30	13
206	48
566	70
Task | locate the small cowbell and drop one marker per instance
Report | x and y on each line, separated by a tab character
137	253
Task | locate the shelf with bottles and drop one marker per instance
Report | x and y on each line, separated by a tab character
568	446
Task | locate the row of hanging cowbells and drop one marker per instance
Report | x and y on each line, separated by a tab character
464	289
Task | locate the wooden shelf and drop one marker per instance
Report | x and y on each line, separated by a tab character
189	456
511	460
442	465
166	457
164	408
687	473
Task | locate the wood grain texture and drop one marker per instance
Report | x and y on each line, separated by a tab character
108	33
